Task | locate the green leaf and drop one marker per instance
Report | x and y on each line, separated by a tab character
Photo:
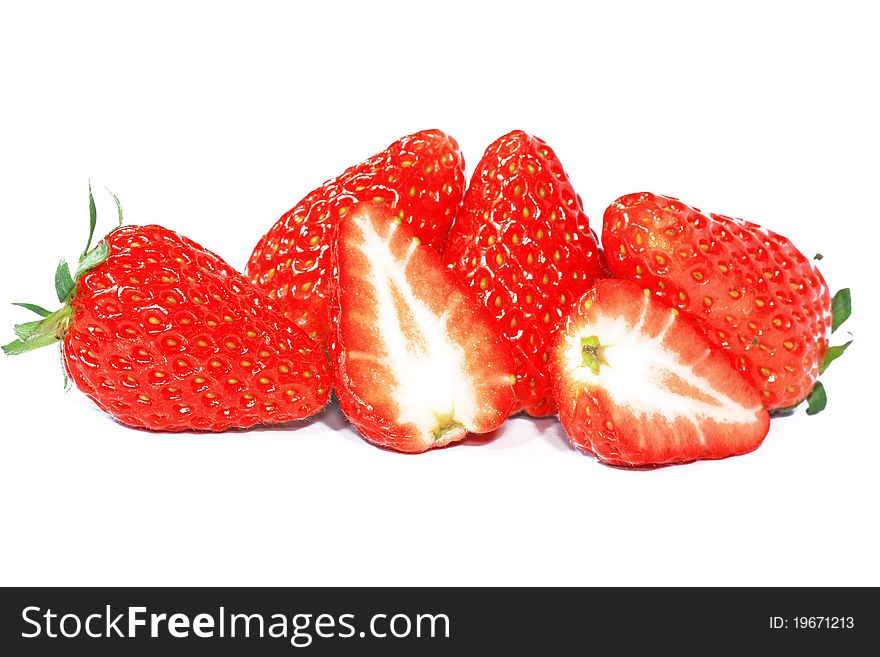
832	354
818	256
42	312
66	382
118	206
784	412
817	400
93	220
94	258
841	308
63	282
27	329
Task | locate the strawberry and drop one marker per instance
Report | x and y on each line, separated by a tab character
754	293
419	177
417	363
162	334
639	384
523	244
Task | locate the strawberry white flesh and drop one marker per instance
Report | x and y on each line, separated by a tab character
449	392
416	362
638	384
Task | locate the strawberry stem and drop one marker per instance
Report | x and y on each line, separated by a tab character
33	335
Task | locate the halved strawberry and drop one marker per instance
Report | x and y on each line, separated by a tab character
638	384
416	362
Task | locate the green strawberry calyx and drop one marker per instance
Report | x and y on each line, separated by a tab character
53	325
841	309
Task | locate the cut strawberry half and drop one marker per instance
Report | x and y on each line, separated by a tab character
416	362
638	384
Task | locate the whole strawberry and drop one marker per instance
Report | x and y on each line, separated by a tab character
162	334
755	294
524	245
420	178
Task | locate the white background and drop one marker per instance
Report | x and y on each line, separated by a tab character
214	119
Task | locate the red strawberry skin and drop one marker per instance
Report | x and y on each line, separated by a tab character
416	361
524	246
420	178
755	294
165	335
638	384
